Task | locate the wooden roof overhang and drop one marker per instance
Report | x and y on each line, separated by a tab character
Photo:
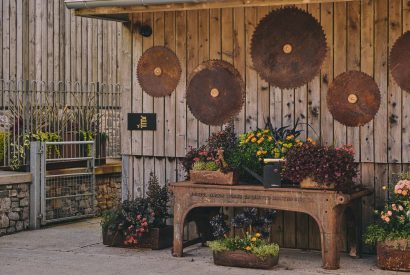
121	13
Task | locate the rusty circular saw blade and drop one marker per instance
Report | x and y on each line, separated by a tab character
215	92
353	98
158	71
400	61
288	47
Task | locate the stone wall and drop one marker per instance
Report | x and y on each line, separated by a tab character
108	187
14	208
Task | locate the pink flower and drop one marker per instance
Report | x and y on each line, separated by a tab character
196	159
138	217
389	213
387	219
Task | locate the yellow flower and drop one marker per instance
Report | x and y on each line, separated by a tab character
257	235
270	138
261	140
384	187
259	134
290	137
311	141
253	139
266	131
253	239
258	153
248	248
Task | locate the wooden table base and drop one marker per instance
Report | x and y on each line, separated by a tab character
325	207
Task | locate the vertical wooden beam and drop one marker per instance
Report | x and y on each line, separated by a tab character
180	113
170	103
250	75
159	102
13	40
381	78
6	39
203	55
192	63
406	96
394	95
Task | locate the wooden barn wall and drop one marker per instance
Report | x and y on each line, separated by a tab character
42	40
359	36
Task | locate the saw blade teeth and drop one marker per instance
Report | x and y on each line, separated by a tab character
399	61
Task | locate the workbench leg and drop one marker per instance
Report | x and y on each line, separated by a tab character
330	234
177	249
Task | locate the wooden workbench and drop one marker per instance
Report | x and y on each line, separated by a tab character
325	207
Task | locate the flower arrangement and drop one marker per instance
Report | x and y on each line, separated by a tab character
325	165
255	236
132	219
393	222
215	155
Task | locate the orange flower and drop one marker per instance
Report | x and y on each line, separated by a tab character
248	248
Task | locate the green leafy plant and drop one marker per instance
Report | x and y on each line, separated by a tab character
325	165
87	136
393	221
158	200
4	140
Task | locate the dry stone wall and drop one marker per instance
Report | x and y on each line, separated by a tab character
14	208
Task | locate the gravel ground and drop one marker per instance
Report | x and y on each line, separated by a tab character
77	248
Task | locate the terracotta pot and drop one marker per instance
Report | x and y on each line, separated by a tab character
240	258
213	177
309	183
394	255
155	238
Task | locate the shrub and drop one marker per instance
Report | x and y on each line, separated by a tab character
325	165
4	139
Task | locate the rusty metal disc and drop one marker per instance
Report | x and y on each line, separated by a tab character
158	71
353	98
288	47
215	92
400	61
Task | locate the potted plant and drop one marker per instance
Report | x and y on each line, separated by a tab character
391	230
141	222
252	248
212	163
321	167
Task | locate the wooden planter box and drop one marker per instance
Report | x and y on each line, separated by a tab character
213	177
156	238
394	255
242	259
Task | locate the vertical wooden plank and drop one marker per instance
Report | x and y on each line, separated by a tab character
138	177
1	42
353	63
136	90
13	39
406	97
149	166
314	114
170	104
192	63
56	41
126	72
171	170
44	40
381	179
90	51
160	171
181	174
340	41
62	40
180	113
367	58
381	76
263	92
22	28
159	102
250	74
147	100
99	50
394	95
6	39
215	43
326	121
67	45
94	50
367	174
50	41
203	55
239	58
73	38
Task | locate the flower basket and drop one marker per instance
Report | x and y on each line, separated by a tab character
213	177
309	183
394	255
240	258
155	238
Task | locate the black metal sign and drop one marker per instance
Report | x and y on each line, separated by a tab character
141	121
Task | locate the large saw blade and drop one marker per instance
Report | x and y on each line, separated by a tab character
353	98
158	71
288	47
215	92
400	61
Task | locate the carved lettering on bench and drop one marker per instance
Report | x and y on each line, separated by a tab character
248	197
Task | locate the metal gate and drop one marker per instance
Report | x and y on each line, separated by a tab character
66	181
